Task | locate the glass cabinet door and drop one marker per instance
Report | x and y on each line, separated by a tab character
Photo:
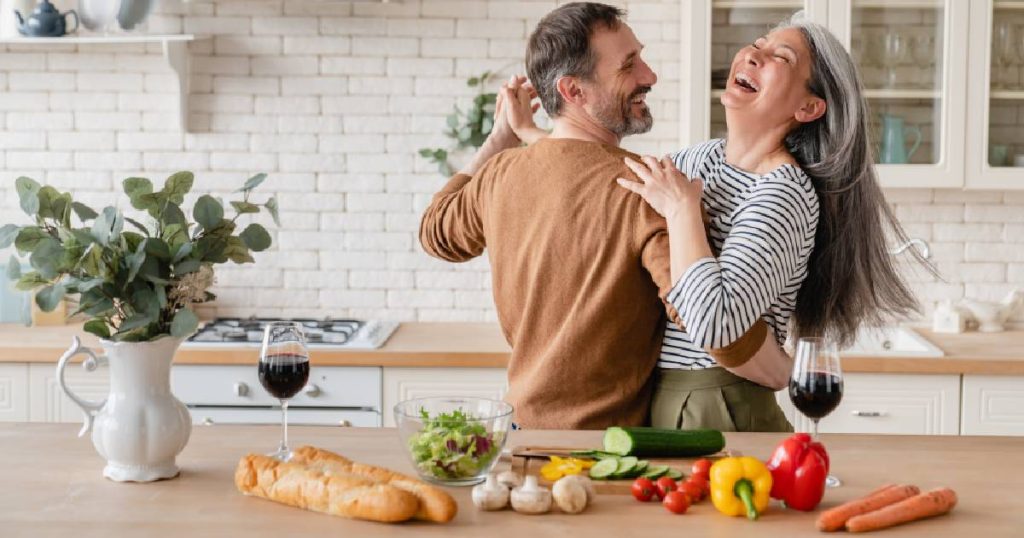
911	56
717	30
996	95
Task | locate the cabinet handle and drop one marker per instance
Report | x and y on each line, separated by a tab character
870	414
311	390
241	389
208	421
344	423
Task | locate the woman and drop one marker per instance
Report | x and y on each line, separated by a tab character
798	223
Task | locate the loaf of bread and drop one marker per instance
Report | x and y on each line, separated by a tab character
434	503
340	494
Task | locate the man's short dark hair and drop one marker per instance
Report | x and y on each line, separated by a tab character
560	47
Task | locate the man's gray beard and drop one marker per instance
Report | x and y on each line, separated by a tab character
620	121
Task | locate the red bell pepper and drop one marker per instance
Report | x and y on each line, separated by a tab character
799	467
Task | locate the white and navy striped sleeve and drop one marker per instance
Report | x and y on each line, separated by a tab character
693	160
764	256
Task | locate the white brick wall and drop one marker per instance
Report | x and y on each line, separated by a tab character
332	100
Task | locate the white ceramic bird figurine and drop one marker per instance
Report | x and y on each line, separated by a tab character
991	316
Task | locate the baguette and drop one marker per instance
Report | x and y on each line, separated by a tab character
434	503
338	494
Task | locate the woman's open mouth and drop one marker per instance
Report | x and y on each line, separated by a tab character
746	83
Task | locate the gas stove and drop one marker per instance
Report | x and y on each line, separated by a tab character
325	333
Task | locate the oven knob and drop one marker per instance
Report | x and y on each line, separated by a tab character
241	389
344	424
311	390
207	421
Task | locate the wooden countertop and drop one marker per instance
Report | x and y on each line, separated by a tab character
481	345
54	487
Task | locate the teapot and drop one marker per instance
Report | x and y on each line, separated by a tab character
894	149
45	21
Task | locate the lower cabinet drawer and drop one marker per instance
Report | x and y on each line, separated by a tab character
213	416
328	386
993	405
889	404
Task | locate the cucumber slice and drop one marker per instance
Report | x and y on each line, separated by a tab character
655	472
641	466
604	469
626	466
674	474
617	441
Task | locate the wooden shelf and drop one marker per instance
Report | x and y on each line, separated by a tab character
1003	4
757	4
175	48
902	94
1008	94
898	4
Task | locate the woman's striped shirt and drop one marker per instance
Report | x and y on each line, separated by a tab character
762	227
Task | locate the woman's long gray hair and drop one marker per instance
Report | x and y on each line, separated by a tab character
851	277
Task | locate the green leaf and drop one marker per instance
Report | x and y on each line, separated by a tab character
47	257
49	297
184	250
453	121
29	237
97	327
107	225
133	322
185	323
28	191
161	296
272	208
158	248
177	186
151	271
7	234
92	260
134	262
486	125
473	81
185	267
256	237
144	300
83	211
135	187
426	153
237	251
253	182
172	214
99	308
29	281
208	212
84	286
245	207
138	225
13	268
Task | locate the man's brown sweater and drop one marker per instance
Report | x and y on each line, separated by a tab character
580	270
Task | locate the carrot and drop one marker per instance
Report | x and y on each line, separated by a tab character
933	503
833	519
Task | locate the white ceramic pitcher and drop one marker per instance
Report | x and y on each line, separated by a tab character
140	427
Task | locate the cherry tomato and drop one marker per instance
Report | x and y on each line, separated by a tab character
693	490
643	489
676	502
701	467
664	485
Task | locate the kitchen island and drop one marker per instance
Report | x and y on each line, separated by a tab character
53	487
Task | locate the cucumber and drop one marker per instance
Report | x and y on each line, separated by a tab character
674	474
593	454
642	442
655	472
604	469
625	467
641	467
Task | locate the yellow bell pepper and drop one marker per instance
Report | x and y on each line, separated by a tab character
559	467
740	486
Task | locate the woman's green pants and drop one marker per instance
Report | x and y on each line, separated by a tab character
714	398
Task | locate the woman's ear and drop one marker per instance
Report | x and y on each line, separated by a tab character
811	110
570	90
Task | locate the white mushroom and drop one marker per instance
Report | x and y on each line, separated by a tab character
587	484
510	479
531	498
490	495
570	495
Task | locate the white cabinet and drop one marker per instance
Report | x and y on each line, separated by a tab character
406	383
14	392
889	404
993	405
49	404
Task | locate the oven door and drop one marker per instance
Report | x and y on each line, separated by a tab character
211	416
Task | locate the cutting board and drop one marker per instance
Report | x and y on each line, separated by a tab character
527	461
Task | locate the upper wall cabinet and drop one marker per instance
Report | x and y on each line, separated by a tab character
995	136
913	60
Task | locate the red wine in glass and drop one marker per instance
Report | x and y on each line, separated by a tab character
283	371
817	394
284	374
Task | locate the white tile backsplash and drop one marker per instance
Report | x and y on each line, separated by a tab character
332	100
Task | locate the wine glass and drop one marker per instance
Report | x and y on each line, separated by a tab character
895	48
284	370
1004	53
816	384
924	57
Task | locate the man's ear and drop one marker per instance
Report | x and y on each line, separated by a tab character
570	90
811	110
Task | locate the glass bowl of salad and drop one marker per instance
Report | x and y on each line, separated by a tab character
453	441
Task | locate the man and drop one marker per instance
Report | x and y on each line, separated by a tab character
580	266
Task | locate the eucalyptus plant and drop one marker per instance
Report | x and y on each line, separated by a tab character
468	128
135	281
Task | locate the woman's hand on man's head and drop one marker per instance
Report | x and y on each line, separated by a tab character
663	186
